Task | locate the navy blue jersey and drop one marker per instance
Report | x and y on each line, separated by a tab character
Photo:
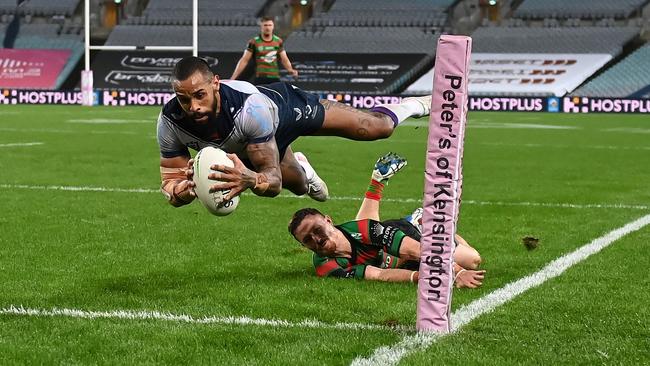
248	115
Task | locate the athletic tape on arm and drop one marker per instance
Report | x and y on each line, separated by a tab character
443	181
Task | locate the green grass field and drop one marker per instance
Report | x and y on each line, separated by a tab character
84	228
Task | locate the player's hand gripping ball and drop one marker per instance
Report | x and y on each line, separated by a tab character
214	201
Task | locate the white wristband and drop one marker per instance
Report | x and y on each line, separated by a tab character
458	274
413	275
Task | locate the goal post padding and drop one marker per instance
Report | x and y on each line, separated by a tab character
443	182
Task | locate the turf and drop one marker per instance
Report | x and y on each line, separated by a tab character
104	250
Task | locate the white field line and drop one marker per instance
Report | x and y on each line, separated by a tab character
79	189
461	317
627	130
341	198
99	121
599	147
53	130
475	124
18	144
183	318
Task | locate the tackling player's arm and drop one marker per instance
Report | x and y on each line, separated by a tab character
390	274
330	267
176	176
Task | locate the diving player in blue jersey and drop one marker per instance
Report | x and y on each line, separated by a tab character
256	126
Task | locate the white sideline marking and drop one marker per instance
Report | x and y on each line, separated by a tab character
183	318
21	144
340	198
461	317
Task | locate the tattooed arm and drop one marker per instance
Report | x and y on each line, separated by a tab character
265	180
266	159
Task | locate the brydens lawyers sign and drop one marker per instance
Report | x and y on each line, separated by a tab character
140	70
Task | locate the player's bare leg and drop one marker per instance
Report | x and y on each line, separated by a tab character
384	169
378	123
299	176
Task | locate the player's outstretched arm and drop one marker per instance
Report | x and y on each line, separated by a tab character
176	175
390	274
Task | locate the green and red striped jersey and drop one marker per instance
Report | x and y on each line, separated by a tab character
373	244
266	56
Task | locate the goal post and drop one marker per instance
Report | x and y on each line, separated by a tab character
443	181
87	93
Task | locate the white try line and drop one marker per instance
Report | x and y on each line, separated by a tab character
461	317
19	144
341	198
184	318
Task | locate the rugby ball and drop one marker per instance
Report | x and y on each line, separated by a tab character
214	201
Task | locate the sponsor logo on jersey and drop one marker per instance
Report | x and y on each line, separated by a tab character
378	230
270	57
298	113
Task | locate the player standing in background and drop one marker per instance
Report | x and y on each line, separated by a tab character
256	125
369	249
266	48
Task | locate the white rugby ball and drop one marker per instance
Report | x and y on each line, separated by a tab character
214	202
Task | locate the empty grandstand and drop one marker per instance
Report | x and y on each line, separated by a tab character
628	78
581	9
553	40
340	46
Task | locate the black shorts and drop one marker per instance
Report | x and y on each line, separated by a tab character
300	113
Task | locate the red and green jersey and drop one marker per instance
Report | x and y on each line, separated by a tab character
373	244
266	56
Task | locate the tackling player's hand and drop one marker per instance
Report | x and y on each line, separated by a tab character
469	278
236	179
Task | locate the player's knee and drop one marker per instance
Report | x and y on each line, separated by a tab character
377	128
297	187
300	190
